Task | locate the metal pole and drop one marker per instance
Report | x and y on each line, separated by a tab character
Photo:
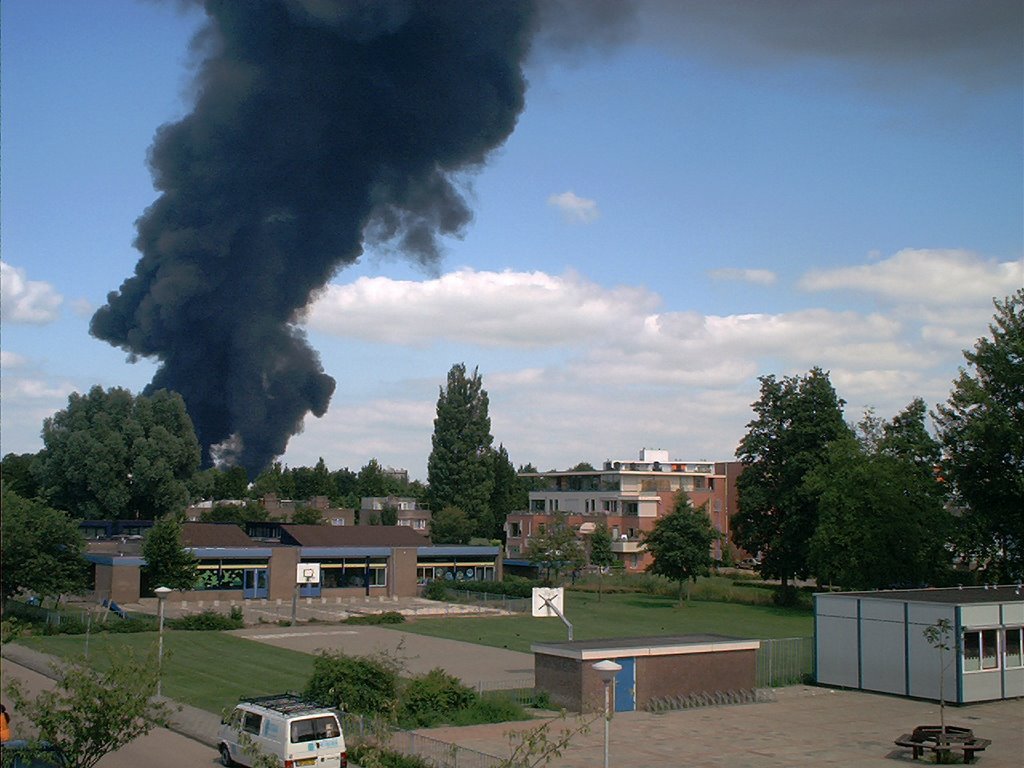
160	653
607	719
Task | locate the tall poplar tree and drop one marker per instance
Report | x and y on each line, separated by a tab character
796	419
460	469
982	432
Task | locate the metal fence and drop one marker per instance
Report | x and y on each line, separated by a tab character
785	661
491	600
440	754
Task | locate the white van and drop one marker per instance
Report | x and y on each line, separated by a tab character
296	731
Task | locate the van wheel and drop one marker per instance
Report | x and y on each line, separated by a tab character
225	756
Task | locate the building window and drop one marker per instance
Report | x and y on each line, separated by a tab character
537	505
630	507
981	650
515	530
1013	651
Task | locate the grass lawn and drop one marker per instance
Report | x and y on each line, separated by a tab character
209	670
620	615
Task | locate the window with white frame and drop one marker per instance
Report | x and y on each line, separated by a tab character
981	650
1013	649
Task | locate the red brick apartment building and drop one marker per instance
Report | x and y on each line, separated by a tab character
629	497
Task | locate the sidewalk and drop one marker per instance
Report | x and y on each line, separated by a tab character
197	724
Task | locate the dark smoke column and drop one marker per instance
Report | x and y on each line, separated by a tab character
316	124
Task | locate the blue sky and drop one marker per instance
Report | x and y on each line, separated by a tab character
724	190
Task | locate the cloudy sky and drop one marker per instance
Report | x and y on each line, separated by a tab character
697	194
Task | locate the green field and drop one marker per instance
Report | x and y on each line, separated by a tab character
209	670
620	615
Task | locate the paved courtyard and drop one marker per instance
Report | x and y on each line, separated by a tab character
804	726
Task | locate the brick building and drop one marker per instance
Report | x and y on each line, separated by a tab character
629	497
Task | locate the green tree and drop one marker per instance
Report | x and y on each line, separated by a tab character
450	526
110	454
556	549
307	516
168	563
239	514
583	466
313	481
277	480
344	488
459	469
883	522
230	483
371	482
92	713
509	495
41	549
796	418
16	471
601	555
981	428
680	544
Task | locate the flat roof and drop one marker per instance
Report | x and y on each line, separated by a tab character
668	645
948	595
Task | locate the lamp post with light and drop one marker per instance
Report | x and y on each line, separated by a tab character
161	596
607	670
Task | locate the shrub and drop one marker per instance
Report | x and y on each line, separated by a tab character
493	708
512	586
436	590
69	625
371	754
209	620
129	625
433	698
387	617
366	685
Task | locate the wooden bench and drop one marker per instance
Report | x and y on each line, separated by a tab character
919	744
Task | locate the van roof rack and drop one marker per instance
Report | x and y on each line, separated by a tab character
285	703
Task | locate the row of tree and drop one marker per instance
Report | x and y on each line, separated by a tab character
884	504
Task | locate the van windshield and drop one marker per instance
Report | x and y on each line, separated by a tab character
314	729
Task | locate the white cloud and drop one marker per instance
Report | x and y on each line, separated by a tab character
574	368
11	359
755	276
575	209
26	301
488	309
927	276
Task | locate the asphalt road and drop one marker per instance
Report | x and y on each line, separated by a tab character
159	748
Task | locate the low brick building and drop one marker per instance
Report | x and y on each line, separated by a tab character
653	668
384	561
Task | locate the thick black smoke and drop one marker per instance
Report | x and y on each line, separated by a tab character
317	123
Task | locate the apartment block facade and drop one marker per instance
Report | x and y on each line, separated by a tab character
629	496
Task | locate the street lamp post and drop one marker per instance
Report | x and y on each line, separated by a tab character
607	670
161	596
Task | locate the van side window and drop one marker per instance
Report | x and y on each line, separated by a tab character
251	723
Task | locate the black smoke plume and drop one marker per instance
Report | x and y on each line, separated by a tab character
318	124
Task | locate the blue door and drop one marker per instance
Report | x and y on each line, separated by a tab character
254	583
625	685
309	590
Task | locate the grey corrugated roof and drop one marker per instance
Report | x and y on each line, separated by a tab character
947	595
